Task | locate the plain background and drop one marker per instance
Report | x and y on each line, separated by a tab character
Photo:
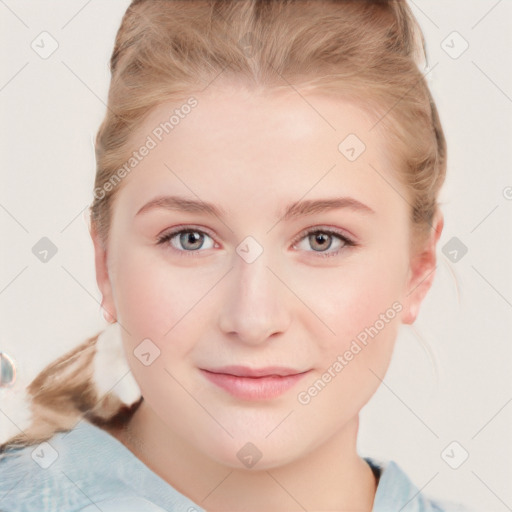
51	109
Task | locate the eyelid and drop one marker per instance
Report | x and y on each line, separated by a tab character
323	229
184	227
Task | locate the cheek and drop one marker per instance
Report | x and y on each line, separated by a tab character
363	308
350	301
153	295
165	303
156	302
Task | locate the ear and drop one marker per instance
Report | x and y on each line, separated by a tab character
422	271
102	276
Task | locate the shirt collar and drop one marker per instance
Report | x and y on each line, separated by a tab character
395	491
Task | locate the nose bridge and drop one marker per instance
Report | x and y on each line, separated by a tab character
255	308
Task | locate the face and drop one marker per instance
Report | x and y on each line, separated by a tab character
268	314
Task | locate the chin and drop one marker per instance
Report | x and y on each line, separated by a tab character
256	453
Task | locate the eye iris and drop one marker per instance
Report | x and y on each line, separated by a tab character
324	240
193	237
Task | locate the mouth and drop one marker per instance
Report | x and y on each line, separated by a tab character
254	383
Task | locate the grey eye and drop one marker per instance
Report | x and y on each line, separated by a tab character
190	240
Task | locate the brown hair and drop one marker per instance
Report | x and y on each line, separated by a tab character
165	50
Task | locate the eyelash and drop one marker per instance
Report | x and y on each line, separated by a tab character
166	237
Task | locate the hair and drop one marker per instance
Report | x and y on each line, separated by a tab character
365	51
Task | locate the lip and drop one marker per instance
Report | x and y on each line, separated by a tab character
254	383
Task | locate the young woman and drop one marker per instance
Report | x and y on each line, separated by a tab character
265	217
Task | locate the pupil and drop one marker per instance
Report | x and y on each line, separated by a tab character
322	240
191	237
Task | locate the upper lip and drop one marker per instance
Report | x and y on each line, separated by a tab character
245	371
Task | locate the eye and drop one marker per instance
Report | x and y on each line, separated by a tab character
186	240
191	240
323	239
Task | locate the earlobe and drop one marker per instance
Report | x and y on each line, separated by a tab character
103	277
421	274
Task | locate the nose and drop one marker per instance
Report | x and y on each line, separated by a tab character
255	306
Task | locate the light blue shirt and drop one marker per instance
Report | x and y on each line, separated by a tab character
88	470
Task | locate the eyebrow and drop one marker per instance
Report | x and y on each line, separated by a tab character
292	211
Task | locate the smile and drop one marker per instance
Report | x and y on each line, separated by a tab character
254	384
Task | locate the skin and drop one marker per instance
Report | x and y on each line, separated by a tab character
252	154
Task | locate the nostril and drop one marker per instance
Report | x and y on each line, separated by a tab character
7	370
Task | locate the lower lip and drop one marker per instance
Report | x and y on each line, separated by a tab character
254	388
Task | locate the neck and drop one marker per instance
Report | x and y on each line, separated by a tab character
331	477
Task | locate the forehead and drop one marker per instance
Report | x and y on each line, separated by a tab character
237	118
262	142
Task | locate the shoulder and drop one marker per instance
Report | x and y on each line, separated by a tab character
395	489
29	480
83	470
70	472
46	477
